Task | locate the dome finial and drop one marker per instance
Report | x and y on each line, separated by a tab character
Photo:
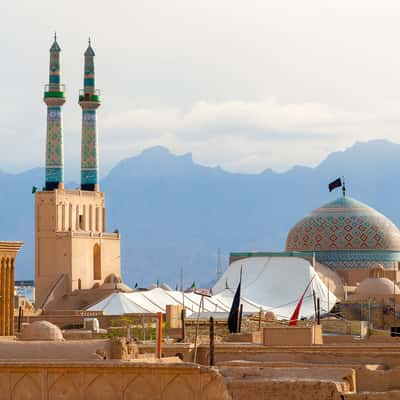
55	46
89	51
343	187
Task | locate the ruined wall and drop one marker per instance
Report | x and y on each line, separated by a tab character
351	353
109	381
381	316
67	318
345	327
284	390
394	395
293	336
371	380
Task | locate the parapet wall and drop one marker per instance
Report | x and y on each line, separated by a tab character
386	354
109	381
76	370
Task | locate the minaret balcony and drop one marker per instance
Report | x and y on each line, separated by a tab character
53	90
93	95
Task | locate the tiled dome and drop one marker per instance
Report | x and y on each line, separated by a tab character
344	224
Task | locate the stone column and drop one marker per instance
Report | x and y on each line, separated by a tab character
91	218
63	218
97	228
84	217
70	218
77	218
11	309
103	220
6	297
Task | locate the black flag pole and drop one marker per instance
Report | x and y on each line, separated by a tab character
315	304
343	187
240	305
233	319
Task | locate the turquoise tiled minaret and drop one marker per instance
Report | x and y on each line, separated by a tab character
54	98
89	100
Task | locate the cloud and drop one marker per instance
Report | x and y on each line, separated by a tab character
244	136
261	117
207	119
335	78
239	136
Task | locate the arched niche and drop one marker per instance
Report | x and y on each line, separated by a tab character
96	262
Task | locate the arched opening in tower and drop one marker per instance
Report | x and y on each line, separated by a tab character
96	262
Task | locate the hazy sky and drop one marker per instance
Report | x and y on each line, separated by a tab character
247	84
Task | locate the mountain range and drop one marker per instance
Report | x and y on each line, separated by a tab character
173	214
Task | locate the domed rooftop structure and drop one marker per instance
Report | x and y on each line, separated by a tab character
376	288
42	330
344	224
346	234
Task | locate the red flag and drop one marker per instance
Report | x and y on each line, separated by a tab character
295	316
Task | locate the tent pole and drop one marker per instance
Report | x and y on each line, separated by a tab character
240	317
197	330
212	343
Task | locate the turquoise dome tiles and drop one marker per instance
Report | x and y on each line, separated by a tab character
357	259
344	203
344	224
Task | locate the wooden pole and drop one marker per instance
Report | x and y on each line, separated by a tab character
19	319
183	312
143	328
182	289
197	330
240	317
328	297
129	332
394	290
318	312
259	319
369	315
315	305
159	334
212	342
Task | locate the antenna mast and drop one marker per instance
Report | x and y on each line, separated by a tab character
219	269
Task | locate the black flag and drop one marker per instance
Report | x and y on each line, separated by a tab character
233	319
335	184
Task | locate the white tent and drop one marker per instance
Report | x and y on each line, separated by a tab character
275	284
156	300
115	304
268	283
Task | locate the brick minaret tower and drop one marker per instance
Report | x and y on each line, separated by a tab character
89	100
54	98
74	253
